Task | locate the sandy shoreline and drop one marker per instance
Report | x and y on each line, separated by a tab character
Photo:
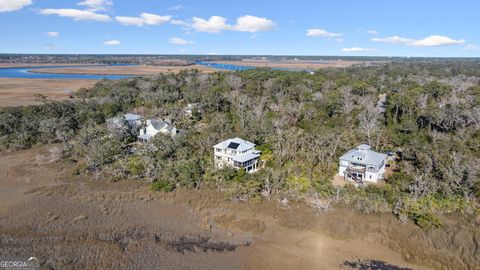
86	223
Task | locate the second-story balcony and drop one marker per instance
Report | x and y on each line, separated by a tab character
356	168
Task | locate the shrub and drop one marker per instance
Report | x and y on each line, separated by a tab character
135	166
425	220
324	187
298	184
162	185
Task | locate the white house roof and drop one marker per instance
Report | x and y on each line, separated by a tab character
236	144
146	136
363	155
132	117
246	157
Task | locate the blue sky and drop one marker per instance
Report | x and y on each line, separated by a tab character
283	27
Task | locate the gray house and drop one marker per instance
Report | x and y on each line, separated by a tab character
237	153
154	127
129	120
362	164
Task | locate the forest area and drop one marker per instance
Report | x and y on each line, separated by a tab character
301	122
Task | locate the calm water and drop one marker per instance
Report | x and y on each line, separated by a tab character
223	66
26	73
240	67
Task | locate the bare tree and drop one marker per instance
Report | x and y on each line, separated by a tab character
347	99
234	82
368	117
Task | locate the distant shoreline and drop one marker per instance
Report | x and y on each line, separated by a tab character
134	70
33	65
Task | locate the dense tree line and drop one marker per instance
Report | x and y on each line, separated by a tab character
302	123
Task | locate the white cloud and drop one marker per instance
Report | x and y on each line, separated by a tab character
393	40
472	47
112	42
177	7
214	24
76	14
179	22
212	53
315	32
153	19
435	40
247	23
130	20
357	49
253	24
96	5
144	19
430	41
179	41
372	32
52	34
12	5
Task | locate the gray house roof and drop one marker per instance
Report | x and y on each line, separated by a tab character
364	156
246	157
157	124
235	144
132	117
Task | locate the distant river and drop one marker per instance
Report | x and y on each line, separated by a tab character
223	66
241	67
26	73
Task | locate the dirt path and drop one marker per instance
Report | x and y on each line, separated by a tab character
77	222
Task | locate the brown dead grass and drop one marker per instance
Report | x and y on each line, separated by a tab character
140	70
86	223
291	64
15	92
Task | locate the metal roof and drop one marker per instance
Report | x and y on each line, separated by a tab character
132	117
246	157
157	124
364	156
242	144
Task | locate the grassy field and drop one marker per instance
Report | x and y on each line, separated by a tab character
300	64
102	224
14	92
125	70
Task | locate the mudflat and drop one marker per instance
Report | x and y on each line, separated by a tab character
15	92
71	221
139	70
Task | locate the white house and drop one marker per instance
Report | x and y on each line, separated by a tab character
237	153
154	127
189	110
362	164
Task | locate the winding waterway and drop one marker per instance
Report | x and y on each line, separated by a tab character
29	73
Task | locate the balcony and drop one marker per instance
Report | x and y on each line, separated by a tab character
356	169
